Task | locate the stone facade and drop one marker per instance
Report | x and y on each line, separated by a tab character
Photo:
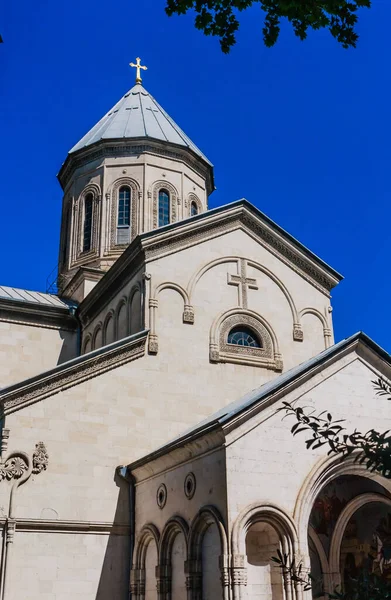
254	486
143	354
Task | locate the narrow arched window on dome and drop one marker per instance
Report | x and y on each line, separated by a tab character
123	219
164	208
193	209
243	336
87	225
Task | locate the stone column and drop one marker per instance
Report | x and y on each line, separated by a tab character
163	581
238	576
193	570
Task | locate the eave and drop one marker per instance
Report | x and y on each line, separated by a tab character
134	147
213	432
38	315
72	372
172	238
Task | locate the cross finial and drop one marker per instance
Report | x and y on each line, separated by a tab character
138	67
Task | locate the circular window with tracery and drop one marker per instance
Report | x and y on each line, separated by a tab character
161	496
243	336
190	485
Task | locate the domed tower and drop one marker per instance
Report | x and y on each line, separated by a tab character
134	171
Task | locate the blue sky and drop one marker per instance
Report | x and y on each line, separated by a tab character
301	130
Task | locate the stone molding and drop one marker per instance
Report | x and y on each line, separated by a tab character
268	356
106	149
344	517
189	200
156	244
193	536
235	218
17	463
64	526
109	286
83	273
77	255
68	375
35	315
112	201
173	198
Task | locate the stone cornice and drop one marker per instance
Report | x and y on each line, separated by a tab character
125	267
72	373
135	147
82	273
37	315
64	526
221	430
243	215
185	450
189	232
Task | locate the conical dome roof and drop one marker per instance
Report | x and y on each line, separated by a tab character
137	115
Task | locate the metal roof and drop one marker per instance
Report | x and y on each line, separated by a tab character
137	115
10	293
229	412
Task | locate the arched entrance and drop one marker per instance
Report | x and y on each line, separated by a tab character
349	530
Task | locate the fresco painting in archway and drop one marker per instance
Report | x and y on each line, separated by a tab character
332	500
366	543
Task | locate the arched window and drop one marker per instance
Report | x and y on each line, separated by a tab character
164	208
243	336
87	226
193	209
65	240
123	219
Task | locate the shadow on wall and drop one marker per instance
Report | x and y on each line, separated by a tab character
69	347
114	578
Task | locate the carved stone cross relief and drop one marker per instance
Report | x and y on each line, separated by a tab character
243	283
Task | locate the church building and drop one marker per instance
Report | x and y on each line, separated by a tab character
143	452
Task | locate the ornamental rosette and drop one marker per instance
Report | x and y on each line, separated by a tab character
13	468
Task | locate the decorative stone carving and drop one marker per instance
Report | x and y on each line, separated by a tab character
214	353
86	369
153	344
157	186
11	527
238	561
40	458
193	570
108	149
224	569
188	314
297	333
239	576
5	434
78	254
193	198
265	356
134	209
13	468
242	282
163	579
137	582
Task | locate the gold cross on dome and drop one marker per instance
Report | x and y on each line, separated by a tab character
138	66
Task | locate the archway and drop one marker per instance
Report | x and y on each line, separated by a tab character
264	578
207	549
257	534
172	559
349	528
